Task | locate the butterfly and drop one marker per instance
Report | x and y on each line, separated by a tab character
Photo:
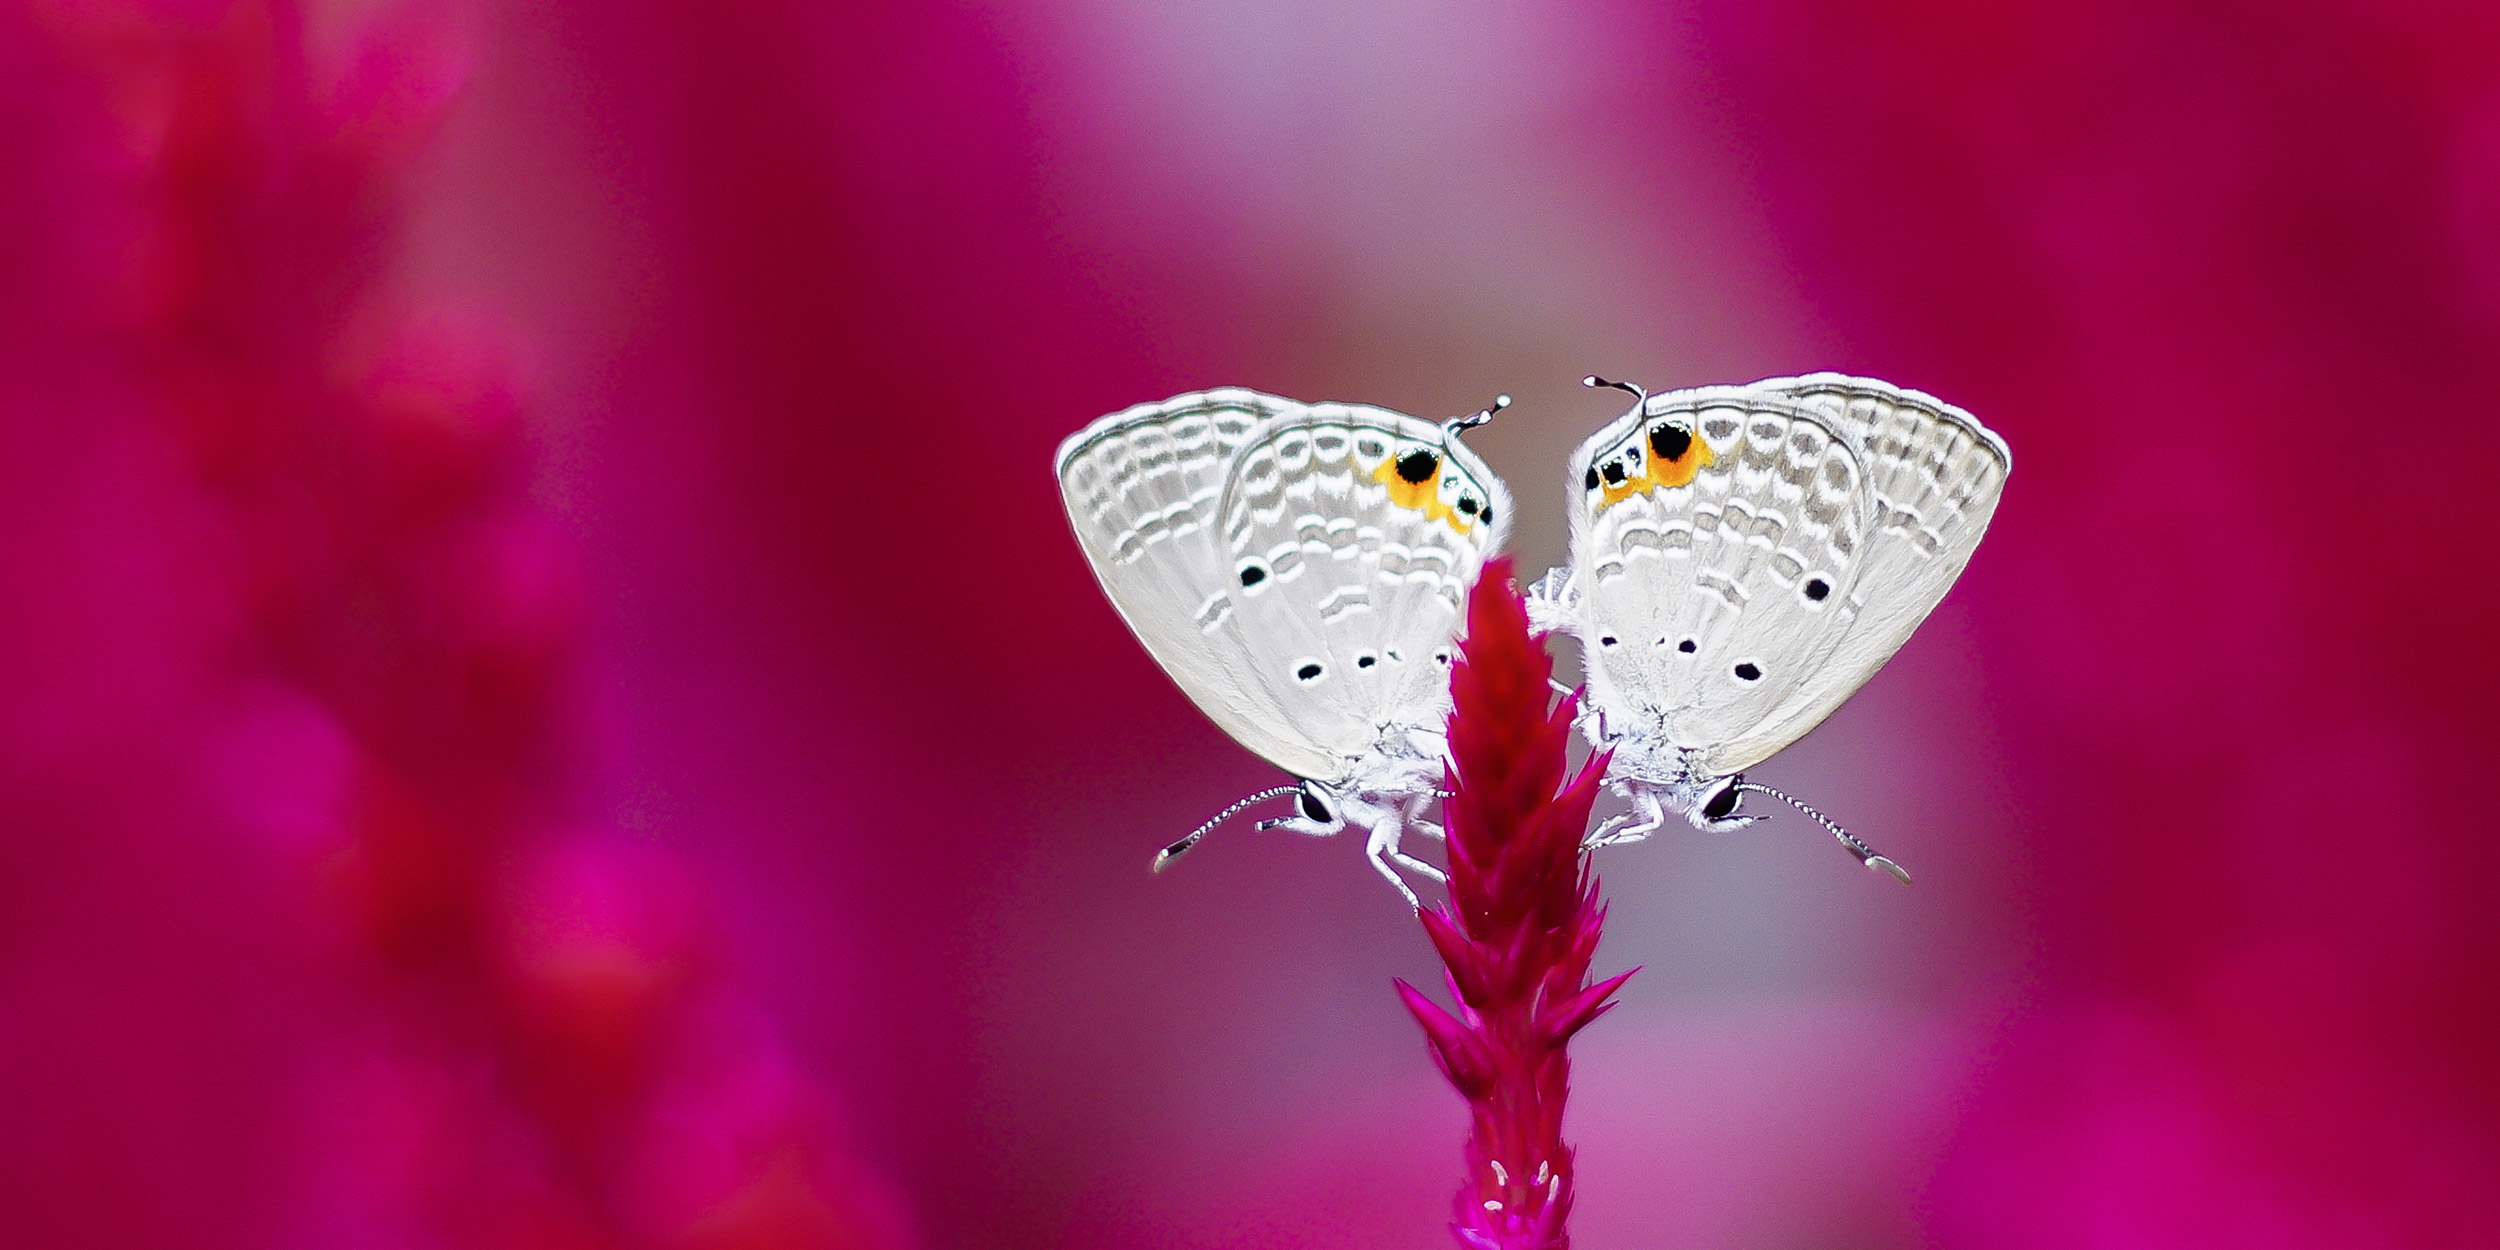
1743	558
1299	570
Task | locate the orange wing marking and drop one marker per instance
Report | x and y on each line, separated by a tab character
1659	470
1423	496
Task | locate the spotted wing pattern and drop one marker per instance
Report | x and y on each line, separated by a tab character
1142	488
1351	535
1934	475
1718	543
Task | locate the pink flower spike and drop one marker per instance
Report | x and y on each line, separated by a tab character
1519	930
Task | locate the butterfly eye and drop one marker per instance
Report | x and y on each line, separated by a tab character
1614	473
1315	806
1253	574
1748	672
1310	671
1441	656
1417	467
1607	641
1591	480
1688	646
1818	590
1366	660
1467	504
1722	804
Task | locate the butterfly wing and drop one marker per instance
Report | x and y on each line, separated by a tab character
1718	543
1142	487
1935	475
1351	535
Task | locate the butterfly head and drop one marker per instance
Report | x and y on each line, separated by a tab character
1316	810
1715	803
1315	804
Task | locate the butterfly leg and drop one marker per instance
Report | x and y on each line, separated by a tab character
1382	864
1383	850
1550	602
1653	817
1590	720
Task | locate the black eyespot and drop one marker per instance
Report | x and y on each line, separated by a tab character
1688	646
1670	441
1418	466
1591	481
1366	661
1488	514
1312	808
1440	657
1467	504
1747	672
1723	804
1818	590
1392	654
1308	672
1614	473
1607	641
1253	575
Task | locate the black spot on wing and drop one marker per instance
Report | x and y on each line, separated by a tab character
1670	441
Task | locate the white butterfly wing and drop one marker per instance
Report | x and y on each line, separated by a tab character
1935	475
1826	519
1718	538
1142	488
1351	535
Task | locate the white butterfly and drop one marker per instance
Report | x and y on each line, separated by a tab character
1743	558
1300	571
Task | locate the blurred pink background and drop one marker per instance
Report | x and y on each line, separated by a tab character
550	701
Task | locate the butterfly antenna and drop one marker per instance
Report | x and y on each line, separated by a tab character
1866	854
1593	380
1164	857
1456	426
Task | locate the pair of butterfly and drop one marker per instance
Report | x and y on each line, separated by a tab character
1743	558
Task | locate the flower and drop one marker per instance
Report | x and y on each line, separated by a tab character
1520	927
517	1035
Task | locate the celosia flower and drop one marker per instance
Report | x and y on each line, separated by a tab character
534	1049
1520	927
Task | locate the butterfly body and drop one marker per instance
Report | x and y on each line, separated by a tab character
1743	558
1299	571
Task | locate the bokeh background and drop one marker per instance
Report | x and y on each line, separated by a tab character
546	699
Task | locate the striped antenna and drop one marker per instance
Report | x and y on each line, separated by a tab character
1866	854
1164	857
1456	426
